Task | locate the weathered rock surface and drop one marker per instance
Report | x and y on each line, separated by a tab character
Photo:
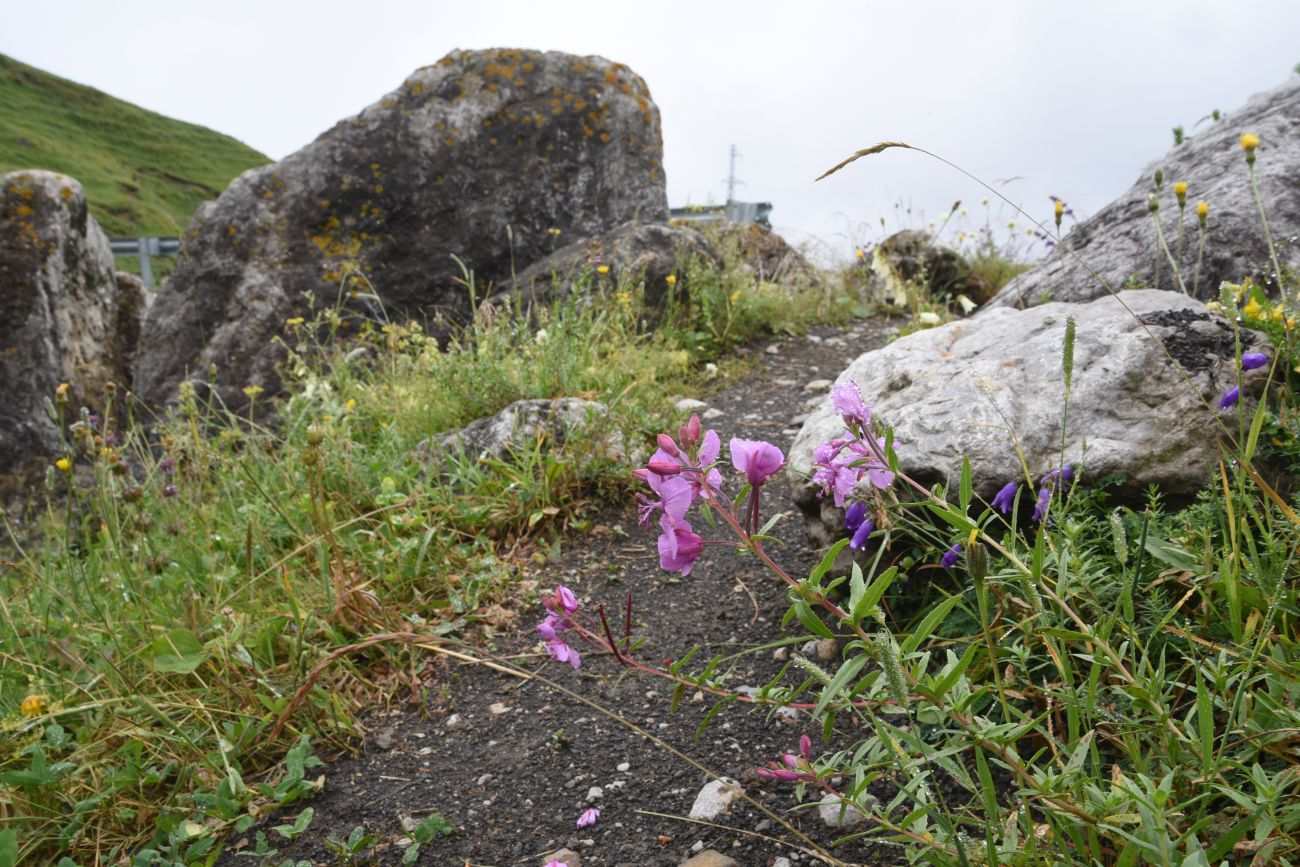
477	144
965	388
910	262
524	421
768	255
838	813
715	798
710	858
67	316
633	252
1119	243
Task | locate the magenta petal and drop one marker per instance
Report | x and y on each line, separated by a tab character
677	494
710	448
567	600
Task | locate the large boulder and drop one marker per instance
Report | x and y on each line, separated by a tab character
68	318
992	389
649	254
524	422
911	264
478	156
1119	243
768	255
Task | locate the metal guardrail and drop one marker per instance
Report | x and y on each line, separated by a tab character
145	248
736	212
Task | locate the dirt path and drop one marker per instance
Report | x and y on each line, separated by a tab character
511	763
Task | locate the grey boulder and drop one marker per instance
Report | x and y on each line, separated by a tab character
478	157
68	317
527	421
634	254
1119	242
981	388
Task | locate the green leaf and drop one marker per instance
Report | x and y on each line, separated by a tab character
178	652
8	848
874	593
412	852
811	621
965	491
431	827
840	681
1205	724
930	623
1252	440
828	560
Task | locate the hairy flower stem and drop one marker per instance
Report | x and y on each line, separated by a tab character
1160	238
982	597
1268	233
1182	213
1200	256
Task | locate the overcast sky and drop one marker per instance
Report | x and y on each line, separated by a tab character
1071	98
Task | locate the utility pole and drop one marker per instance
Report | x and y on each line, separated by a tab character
731	176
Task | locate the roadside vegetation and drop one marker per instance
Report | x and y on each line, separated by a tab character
187	573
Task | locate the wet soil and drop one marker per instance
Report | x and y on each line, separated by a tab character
511	762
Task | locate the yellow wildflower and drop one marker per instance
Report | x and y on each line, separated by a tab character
671	279
1202	210
1251	309
860	253
1278	314
33	705
1214	306
602	269
1249	141
735	296
63	464
61	393
1180	190
553	232
350	405
1060	209
252	391
1290	323
293	320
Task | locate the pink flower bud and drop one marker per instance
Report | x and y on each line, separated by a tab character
777	774
805	747
666	443
690	432
790	760
664	468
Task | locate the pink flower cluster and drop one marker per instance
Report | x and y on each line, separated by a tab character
792	768
560	608
844	461
682	472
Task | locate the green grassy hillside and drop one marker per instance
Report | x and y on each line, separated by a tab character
144	173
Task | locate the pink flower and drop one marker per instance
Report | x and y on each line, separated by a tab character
588	817
562	652
849	404
552	626
664	463
565	599
758	460
675	497
678	547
